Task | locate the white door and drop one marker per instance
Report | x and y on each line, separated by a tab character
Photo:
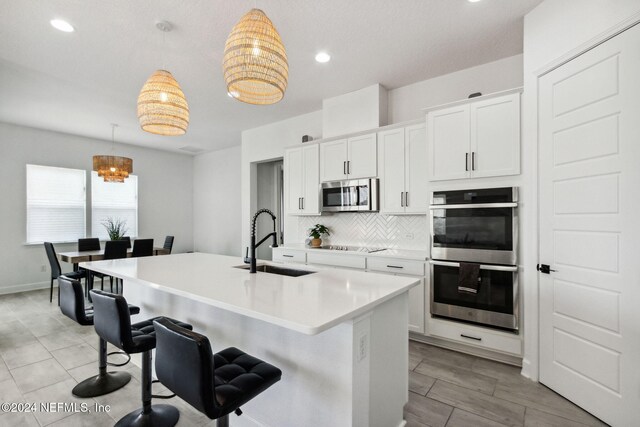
448	141
310	172
416	197
391	171
293	180
495	136
362	157
589	163
333	160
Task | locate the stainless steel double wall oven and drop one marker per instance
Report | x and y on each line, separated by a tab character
481	227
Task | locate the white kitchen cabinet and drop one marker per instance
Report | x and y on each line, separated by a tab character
403	163
477	138
350	158
301	178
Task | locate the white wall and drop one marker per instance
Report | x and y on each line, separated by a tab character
164	191
406	102
216	202
555	29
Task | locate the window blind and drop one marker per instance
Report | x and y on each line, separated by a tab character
56	203
117	200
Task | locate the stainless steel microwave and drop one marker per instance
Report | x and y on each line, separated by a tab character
356	195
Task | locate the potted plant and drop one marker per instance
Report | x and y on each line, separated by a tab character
316	233
116	228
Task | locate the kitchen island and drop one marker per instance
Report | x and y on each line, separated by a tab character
339	336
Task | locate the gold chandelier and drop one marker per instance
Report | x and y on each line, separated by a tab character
162	106
112	168
255	62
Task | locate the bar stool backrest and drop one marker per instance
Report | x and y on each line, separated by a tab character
72	300
112	319
184	364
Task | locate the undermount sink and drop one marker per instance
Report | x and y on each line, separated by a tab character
282	271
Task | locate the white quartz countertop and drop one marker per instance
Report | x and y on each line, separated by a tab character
308	304
387	253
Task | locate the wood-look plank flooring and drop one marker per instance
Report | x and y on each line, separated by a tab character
452	389
43	355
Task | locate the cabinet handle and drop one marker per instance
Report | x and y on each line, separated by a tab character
348	167
473	160
470	337
401	199
406	199
394	266
344	168
302	203
466	162
287	256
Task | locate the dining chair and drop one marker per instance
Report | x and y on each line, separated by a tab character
113	249
85	245
142	247
128	240
56	271
168	243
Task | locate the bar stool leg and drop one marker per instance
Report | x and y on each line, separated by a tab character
223	421
103	383
150	415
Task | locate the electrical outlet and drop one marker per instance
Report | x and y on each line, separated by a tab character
363	347
43	268
408	236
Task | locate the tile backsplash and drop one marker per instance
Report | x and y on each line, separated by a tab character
371	229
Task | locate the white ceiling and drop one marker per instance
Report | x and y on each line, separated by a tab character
81	82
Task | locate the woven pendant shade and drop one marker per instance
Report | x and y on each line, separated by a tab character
255	62
162	107
112	168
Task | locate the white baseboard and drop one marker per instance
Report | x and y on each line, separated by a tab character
26	287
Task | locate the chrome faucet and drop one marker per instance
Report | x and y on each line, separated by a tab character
252	259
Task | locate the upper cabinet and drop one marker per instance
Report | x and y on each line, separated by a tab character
479	138
349	158
301	180
402	157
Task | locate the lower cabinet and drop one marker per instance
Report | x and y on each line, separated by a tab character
391	266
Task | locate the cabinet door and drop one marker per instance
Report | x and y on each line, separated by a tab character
362	157
416	199
293	180
311	176
333	158
416	308
448	142
495	136
392	163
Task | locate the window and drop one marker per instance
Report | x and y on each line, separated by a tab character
115	200
56	203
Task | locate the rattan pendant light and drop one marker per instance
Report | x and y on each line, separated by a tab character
255	62
112	168
162	106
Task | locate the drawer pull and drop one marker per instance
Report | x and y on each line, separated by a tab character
394	266
470	337
287	256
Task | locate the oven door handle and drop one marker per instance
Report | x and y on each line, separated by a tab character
511	268
476	206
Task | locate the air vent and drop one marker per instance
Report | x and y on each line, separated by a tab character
191	149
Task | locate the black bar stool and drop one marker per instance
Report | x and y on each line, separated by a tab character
113	324
72	306
214	384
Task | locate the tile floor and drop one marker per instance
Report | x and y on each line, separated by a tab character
44	354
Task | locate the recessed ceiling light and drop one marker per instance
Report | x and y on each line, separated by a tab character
62	25
323	57
473	1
